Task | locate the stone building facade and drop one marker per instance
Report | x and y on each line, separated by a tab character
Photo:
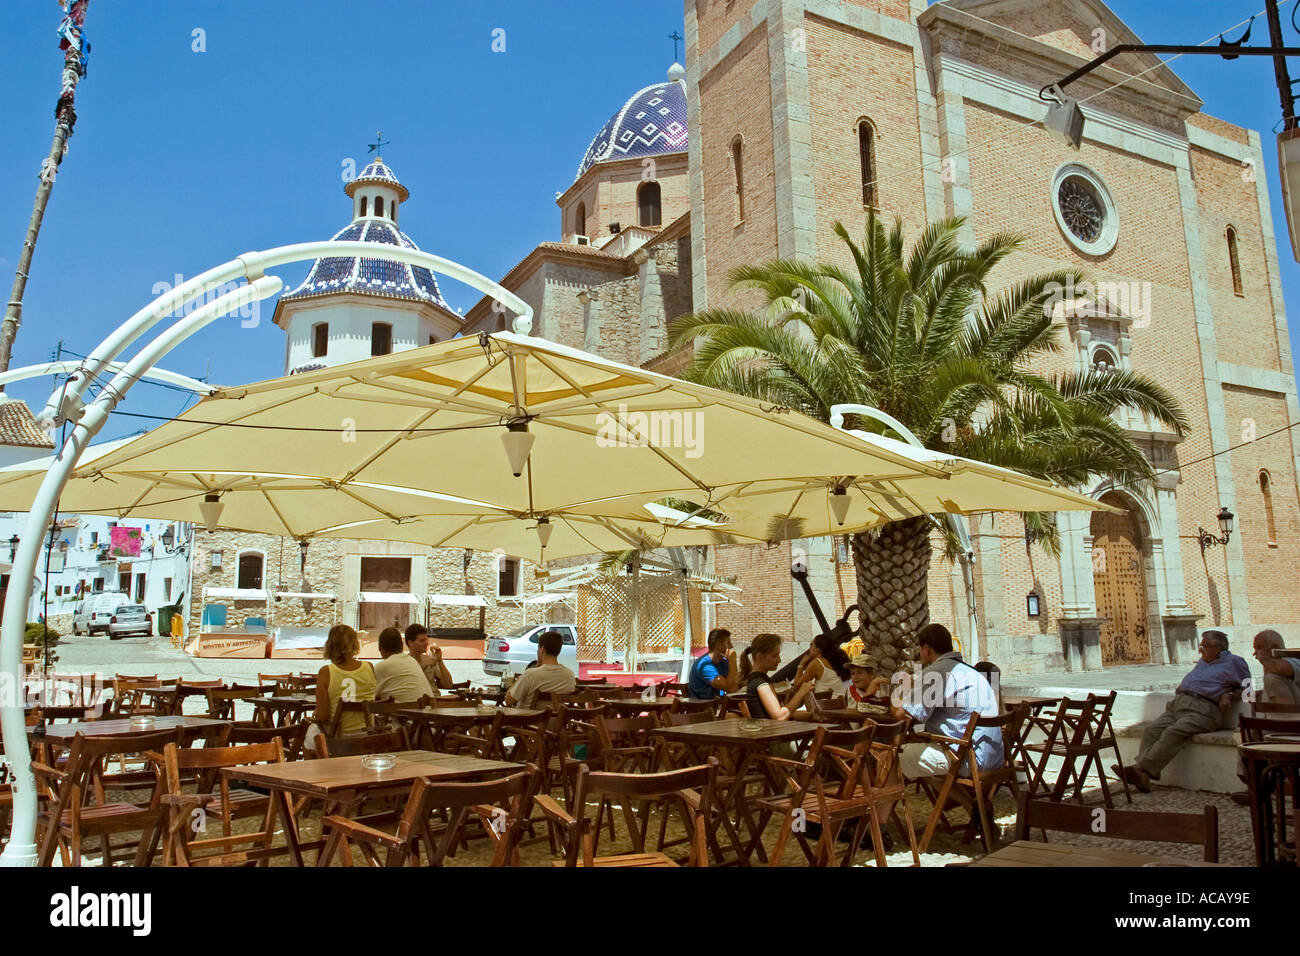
802	113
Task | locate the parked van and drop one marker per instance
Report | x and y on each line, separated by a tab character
96	611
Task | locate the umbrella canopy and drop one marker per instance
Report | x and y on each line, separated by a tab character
409	446
777	509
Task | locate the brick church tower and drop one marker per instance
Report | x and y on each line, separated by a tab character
807	112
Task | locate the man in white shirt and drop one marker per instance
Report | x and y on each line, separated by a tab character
398	676
549	676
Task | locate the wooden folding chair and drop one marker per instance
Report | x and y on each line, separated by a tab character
1195	828
1273	707
221	701
964	783
189	813
76	806
290	736
499	805
390	741
692	787
1067	739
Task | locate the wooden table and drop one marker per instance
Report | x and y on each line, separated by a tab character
282	710
1271	767
495	694
62	734
840	715
343	783
437	721
1027	853
635	706
748	745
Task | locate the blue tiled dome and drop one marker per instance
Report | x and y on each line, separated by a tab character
377	171
371	276
395	280
652	122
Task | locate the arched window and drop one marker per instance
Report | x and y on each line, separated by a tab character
1103	360
392	212
250	570
379	206
381	338
1266	492
1233	261
738	170
364	202
320	337
580	220
647	201
867	159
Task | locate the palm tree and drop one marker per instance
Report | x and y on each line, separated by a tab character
918	334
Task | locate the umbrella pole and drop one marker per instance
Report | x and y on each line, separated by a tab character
687	633
630	658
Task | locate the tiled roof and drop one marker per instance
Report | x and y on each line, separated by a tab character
383	277
377	171
652	122
18	426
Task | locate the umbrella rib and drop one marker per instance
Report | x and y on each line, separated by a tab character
386	446
288	527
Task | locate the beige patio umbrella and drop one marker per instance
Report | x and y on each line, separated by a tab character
429	438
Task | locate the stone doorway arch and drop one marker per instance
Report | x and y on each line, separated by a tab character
1119	558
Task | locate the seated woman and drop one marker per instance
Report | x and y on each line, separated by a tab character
343	678
762	655
825	666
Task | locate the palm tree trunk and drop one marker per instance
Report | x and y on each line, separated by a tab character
65	119
892	568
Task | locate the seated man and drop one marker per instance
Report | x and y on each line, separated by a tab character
428	656
398	677
1281	674
950	690
1200	705
549	676
714	672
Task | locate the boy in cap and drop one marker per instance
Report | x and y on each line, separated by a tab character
864	686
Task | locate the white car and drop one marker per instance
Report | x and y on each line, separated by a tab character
96	611
512	652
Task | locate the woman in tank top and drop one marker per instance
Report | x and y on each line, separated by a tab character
825	666
343	678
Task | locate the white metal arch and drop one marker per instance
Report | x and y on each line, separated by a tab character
68	402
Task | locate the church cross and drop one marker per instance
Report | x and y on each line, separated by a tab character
675	37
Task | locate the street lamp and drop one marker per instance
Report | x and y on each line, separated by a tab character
1225	525
302	554
168	538
13	548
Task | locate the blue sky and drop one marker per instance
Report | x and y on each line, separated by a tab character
182	160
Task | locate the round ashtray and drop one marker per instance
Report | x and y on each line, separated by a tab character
378	761
750	726
142	723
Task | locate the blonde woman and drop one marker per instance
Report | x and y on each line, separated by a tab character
343	678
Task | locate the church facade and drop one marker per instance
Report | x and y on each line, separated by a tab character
802	113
